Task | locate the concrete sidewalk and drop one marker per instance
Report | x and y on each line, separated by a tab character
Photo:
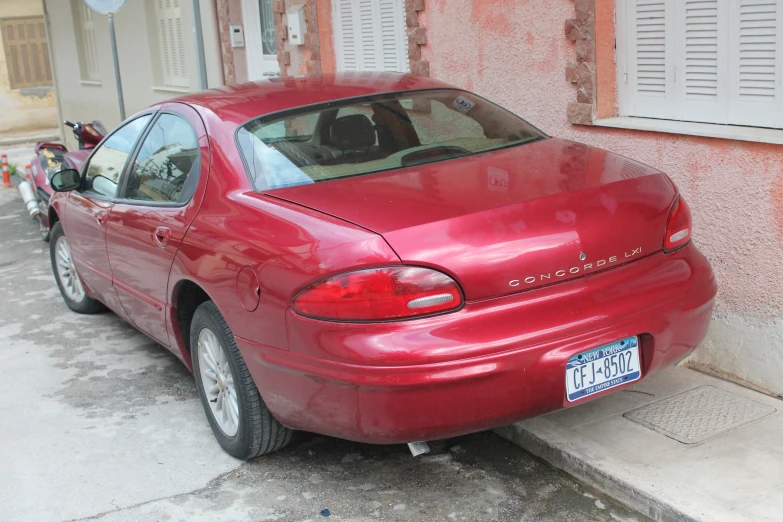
18	137
680	445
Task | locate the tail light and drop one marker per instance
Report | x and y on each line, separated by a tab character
379	294
679	226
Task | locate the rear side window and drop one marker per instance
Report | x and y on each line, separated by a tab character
166	166
295	128
373	134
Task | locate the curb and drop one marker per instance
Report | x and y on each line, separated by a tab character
28	139
577	464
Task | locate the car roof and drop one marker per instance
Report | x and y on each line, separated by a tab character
240	103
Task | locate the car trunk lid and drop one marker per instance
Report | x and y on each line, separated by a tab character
509	220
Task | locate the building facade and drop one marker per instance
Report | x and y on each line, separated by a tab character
692	87
156	49
27	97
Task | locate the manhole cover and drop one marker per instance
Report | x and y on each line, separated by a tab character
699	414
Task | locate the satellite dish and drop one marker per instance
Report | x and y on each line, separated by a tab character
105	7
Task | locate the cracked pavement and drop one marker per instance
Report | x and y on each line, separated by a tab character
98	422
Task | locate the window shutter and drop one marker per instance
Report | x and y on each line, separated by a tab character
650	33
172	43
394	36
711	61
345	36
701	60
371	35
26	52
89	49
756	63
367	36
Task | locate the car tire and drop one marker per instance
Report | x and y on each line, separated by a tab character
44	231
239	419
68	281
43	228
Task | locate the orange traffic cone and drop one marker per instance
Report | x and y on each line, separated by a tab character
6	172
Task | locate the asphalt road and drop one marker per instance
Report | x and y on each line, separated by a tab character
97	422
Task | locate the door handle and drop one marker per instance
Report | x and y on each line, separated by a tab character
162	236
100	218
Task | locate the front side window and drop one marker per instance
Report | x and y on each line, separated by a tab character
373	134
108	161
167	157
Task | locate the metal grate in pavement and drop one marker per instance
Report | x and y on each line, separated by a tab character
699	414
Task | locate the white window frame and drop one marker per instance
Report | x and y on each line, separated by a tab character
681	114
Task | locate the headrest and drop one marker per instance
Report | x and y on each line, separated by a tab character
352	132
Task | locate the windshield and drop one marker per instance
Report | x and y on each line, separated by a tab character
374	134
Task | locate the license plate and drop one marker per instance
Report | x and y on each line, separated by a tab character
602	368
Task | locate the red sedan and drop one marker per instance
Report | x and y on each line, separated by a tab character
378	257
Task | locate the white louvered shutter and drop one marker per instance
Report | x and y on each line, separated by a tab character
700	75
710	61
89	48
368	44
371	35
345	36
756	63
394	36
650	58
172	43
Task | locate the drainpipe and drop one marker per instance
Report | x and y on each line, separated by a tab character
53	66
198	34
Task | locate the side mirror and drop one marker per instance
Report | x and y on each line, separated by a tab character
66	180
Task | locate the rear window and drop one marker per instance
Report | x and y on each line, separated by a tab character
374	134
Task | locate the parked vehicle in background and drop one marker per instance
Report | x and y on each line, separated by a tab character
385	259
52	157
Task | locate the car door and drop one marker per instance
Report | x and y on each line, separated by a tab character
160	196
88	209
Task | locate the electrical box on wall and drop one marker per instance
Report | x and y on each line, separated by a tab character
237	35
297	27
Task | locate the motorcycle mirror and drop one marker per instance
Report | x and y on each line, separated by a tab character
66	180
99	127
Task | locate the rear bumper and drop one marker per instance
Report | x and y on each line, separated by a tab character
492	363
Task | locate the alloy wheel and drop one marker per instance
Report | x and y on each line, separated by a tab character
72	285
217	380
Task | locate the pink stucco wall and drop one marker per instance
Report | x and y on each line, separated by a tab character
515	53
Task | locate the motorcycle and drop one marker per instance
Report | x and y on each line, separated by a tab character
50	158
